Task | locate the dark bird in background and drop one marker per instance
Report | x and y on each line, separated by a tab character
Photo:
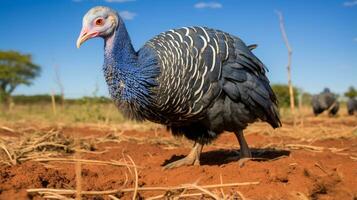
326	100
352	106
197	81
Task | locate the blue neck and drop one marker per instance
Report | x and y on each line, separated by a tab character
118	48
129	78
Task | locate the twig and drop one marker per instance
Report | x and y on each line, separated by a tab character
240	195
136	178
93	152
71	160
336	150
302	146
45	137
53	195
5	162
35	155
290	52
113	197
78	169
9	155
353	158
7	129
204	191
59	83
161	196
331	107
191	195
107	192
31	148
320	167
222	192
300	195
53	100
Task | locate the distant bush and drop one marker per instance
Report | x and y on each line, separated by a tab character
351	93
282	93
31	99
86	100
93	107
306	98
40	99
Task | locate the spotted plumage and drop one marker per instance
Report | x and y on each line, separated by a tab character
325	101
199	66
196	81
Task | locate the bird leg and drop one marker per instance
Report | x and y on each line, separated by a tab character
245	153
193	158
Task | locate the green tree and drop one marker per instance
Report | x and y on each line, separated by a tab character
306	98
351	92
282	93
15	69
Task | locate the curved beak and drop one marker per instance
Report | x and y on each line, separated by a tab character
84	36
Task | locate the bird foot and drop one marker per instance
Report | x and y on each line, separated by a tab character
242	161
187	161
193	158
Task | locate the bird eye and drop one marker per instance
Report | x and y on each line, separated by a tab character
99	22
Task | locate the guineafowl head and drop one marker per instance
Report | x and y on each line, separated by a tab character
130	77
99	21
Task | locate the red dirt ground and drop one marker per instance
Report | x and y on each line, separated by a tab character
282	173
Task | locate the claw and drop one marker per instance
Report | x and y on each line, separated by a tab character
193	158
242	161
187	161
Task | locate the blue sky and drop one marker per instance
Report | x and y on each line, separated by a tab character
323	35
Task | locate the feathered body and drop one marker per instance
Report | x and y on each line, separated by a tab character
351	106
326	100
197	81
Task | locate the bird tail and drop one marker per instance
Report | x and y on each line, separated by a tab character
252	47
252	90
274	116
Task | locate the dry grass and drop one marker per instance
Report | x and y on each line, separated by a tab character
39	144
311	128
175	192
169	192
47	146
54	146
68	114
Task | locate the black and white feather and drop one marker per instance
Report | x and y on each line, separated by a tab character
209	82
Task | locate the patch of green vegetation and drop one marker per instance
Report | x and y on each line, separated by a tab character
89	112
282	93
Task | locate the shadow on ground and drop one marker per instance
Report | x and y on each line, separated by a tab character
225	156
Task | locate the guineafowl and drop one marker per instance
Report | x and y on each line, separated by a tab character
197	81
326	100
351	106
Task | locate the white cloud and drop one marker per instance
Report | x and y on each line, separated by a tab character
108	1
118	1
350	3
213	5
127	15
